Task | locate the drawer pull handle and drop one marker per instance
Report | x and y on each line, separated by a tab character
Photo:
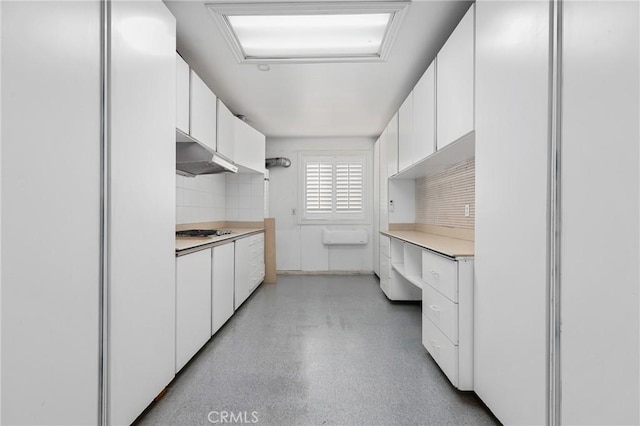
435	274
436	309
433	344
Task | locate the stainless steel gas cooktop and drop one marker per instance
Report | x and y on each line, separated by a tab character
202	233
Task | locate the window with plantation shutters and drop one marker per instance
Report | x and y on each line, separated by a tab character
334	187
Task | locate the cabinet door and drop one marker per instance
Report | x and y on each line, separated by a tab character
249	146
193	304
225	131
384	213
376	207
424	115
182	94
242	278
203	112
392	146
456	83
222	285
405	133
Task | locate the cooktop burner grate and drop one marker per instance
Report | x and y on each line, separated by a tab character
202	233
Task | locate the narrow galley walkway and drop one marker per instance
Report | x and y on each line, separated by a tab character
317	350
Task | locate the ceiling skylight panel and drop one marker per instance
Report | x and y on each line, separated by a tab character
309	32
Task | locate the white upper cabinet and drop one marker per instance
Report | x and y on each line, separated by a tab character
249	146
226	131
424	115
455	83
405	133
392	146
182	94
203	112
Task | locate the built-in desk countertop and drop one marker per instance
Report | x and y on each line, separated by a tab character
452	247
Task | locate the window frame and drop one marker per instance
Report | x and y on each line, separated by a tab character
362	218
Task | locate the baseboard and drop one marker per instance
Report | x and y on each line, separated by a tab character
325	272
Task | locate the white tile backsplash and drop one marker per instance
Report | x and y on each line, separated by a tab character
245	197
200	199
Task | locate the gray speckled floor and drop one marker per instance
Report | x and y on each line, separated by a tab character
316	350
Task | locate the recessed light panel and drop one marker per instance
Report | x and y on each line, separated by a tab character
310	36
309	32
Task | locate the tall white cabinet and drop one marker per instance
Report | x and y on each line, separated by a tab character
600	249
50	291
511	173
599	198
51	166
142	209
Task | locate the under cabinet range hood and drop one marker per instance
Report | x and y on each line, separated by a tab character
193	158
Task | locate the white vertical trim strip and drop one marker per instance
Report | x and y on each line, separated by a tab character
554	389
105	110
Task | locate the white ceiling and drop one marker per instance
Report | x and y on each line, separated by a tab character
316	100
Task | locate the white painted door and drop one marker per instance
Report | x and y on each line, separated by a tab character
455	82
424	115
193	304
182	94
225	131
50	290
405	133
142	209
222	285
600	161
511	200
203	112
242	277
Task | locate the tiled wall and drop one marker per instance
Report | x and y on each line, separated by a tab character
245	197
200	199
441	198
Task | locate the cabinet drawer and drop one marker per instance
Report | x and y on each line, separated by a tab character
384	245
441	274
441	311
444	353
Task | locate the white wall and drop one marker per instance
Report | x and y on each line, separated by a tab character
201	199
299	247
245	197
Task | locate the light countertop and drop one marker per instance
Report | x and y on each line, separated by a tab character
186	245
452	247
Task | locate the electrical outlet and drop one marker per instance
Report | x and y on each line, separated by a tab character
293	212
466	210
391	205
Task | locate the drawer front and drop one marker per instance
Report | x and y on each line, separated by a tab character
385	245
441	274
441	311
441	349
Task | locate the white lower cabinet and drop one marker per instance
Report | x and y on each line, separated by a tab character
193	304
249	267
447	315
222	284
